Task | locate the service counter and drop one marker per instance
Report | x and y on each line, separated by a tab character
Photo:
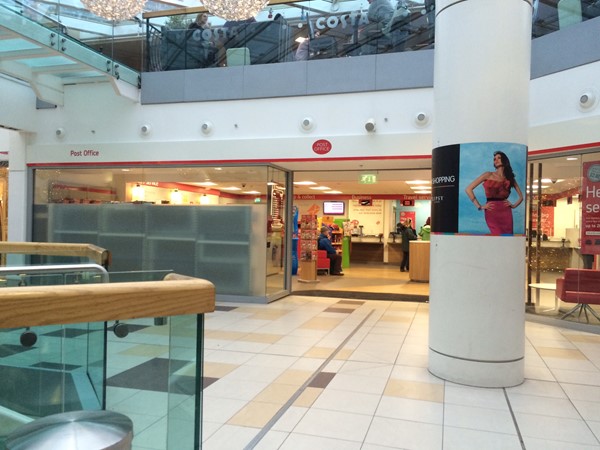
366	249
419	261
553	255
394	253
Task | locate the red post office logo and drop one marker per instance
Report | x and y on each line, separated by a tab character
321	147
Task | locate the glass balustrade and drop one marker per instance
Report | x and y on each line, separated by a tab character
144	368
305	30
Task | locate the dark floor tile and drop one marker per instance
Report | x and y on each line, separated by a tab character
207	381
10	349
351	302
56	366
339	310
68	332
322	380
224	308
153	375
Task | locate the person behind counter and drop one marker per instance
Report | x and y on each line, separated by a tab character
425	231
408	234
335	260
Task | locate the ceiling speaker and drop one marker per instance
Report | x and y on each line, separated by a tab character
421	119
60	132
307	123
145	129
370	125
206	127
588	99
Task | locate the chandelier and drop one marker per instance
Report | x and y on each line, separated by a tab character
115	10
235	9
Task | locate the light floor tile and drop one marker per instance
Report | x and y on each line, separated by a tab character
308	397
466	439
403	434
276	393
297	441
230	437
555	429
416	390
220	410
352	402
218	370
539	387
547	444
294	377
334	424
319	352
272	440
482	419
544	406
290	418
478	397
255	414
411	410
589	410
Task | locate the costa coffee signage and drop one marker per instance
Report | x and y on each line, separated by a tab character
321	147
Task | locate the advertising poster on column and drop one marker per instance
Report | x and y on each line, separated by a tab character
444	189
590	204
476	189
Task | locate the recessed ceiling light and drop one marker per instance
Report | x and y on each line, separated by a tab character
231	188
321	188
420	187
206	183
422	192
304	183
218	168
251	192
572	158
418	182
332	192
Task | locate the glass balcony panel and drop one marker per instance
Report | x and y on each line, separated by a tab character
150	373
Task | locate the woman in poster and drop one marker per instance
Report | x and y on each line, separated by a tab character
497	186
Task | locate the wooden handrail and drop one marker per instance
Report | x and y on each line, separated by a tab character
30	306
94	253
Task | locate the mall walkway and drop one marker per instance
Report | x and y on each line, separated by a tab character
333	373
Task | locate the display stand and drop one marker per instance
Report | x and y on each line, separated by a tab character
308	249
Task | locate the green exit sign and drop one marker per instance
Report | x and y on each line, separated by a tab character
367	178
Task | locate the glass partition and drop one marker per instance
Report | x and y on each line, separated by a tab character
223	224
564	236
148	369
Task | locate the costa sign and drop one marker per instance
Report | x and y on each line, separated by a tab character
321	147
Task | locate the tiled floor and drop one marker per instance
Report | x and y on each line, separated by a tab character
316	372
330	373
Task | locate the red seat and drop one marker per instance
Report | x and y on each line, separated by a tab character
323	262
581	286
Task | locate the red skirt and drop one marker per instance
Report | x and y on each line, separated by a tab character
499	218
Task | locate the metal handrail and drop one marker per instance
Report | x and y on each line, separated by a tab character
58	268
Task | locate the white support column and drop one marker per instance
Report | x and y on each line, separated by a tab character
477	285
18	188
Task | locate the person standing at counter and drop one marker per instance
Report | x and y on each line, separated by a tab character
408	234
335	260
497	185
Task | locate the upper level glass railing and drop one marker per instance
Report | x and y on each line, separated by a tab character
318	30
